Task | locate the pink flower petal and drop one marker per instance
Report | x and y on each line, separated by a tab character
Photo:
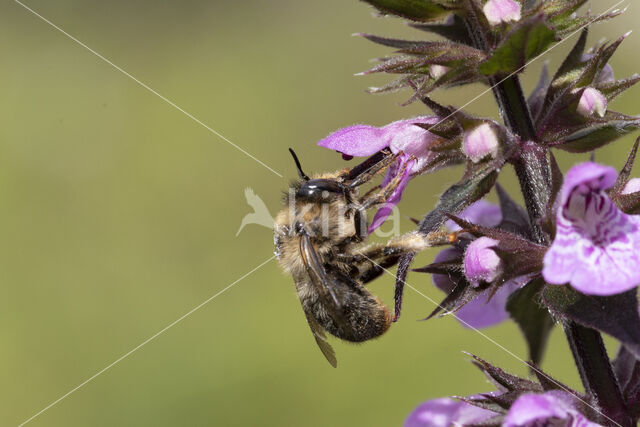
479	213
445	412
383	213
498	11
404	136
587	176
480	142
483	313
597	246
592	102
357	140
633	186
535	409
481	263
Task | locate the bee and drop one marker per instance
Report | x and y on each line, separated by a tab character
319	238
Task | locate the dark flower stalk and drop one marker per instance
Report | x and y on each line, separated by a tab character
533	170
571	255
534	174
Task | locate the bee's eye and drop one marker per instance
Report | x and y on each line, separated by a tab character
320	190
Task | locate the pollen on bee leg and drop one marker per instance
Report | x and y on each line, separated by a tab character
413	241
453	237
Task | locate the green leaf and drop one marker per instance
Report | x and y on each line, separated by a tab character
596	134
416	10
456	30
613	89
566	25
524	42
596	64
567	7
532	317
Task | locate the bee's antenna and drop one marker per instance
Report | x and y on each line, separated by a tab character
301	174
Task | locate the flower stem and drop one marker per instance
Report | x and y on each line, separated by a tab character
596	373
534	172
533	169
532	165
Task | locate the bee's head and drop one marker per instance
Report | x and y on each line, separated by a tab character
321	190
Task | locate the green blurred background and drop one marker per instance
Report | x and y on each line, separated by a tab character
119	215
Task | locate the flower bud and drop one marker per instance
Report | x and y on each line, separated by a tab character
480	142
481	263
438	71
633	186
592	102
498	11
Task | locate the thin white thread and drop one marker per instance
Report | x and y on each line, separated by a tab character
526	64
136	348
518	70
165	99
491	340
281	176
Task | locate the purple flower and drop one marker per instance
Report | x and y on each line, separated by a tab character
592	102
480	312
446	412
528	410
531	410
597	246
480	213
403	136
480	142
483	312
481	263
498	11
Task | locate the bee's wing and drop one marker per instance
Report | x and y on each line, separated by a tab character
325	287
319	279
321	340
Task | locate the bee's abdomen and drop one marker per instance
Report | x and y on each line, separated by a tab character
364	316
369	321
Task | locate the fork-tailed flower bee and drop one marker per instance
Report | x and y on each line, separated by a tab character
319	238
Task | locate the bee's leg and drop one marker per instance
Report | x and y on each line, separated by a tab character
409	242
374	270
372	170
373	198
370	192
